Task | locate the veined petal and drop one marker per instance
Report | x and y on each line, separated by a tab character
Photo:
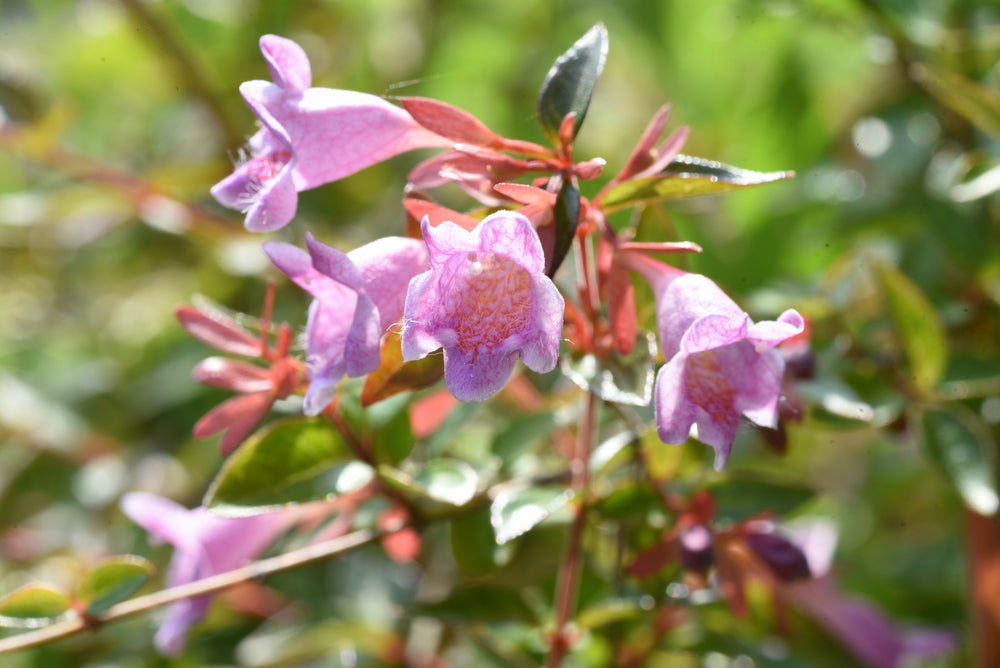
361	352
477	377
510	234
540	351
445	240
333	263
675	413
772	332
287	62
714	331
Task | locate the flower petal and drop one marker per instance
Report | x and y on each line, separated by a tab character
287	61
675	413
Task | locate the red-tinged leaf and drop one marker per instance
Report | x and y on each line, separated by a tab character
438	214
667	152
660	246
218	331
253	598
429	412
621	308
701	509
233	375
642	155
732	571
653	559
394	375
450	122
526	194
237	416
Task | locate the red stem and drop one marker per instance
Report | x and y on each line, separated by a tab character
569	574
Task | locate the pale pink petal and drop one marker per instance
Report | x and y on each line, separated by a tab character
511	234
714	331
772	332
479	378
541	353
674	411
164	519
287	61
446	240
233	375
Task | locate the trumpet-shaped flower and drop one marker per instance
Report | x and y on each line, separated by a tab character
204	545
311	136
485	300
720	364
358	296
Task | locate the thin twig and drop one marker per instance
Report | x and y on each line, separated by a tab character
210	585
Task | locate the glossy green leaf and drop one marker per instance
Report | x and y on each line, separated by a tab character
569	84
384	425
963	448
970	99
623	379
686	177
112	581
288	461
516	510
567	216
919	326
33	606
435	487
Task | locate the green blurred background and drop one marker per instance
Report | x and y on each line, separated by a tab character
119	116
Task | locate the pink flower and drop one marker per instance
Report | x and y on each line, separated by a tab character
205	545
358	296
311	136
720	364
485	300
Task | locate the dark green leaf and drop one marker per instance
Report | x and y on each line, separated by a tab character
33	605
472	543
919	326
112	581
516	510
567	215
480	604
962	446
283	463
970	99
686	177
569	84
739	498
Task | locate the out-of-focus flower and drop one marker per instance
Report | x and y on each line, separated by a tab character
485	300
358	296
720	364
259	387
204	545
311	136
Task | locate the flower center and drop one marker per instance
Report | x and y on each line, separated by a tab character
489	300
262	168
708	386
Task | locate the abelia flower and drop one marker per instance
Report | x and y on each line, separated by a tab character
311	136
485	300
358	296
720	364
205	545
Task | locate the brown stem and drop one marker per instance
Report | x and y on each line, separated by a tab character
569	574
210	585
982	538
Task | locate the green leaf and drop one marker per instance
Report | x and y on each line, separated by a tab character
961	445
480	604
472	543
281	464
623	379
608	612
516	510
112	581
567	215
739	498
385	425
33	606
686	177
437	487
919	326
569	84
967	98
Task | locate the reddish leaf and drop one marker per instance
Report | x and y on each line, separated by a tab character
394	375
218	331
450	122
526	194
667	151
233	375
642	155
651	561
427	413
402	546
237	416
418	208
621	308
